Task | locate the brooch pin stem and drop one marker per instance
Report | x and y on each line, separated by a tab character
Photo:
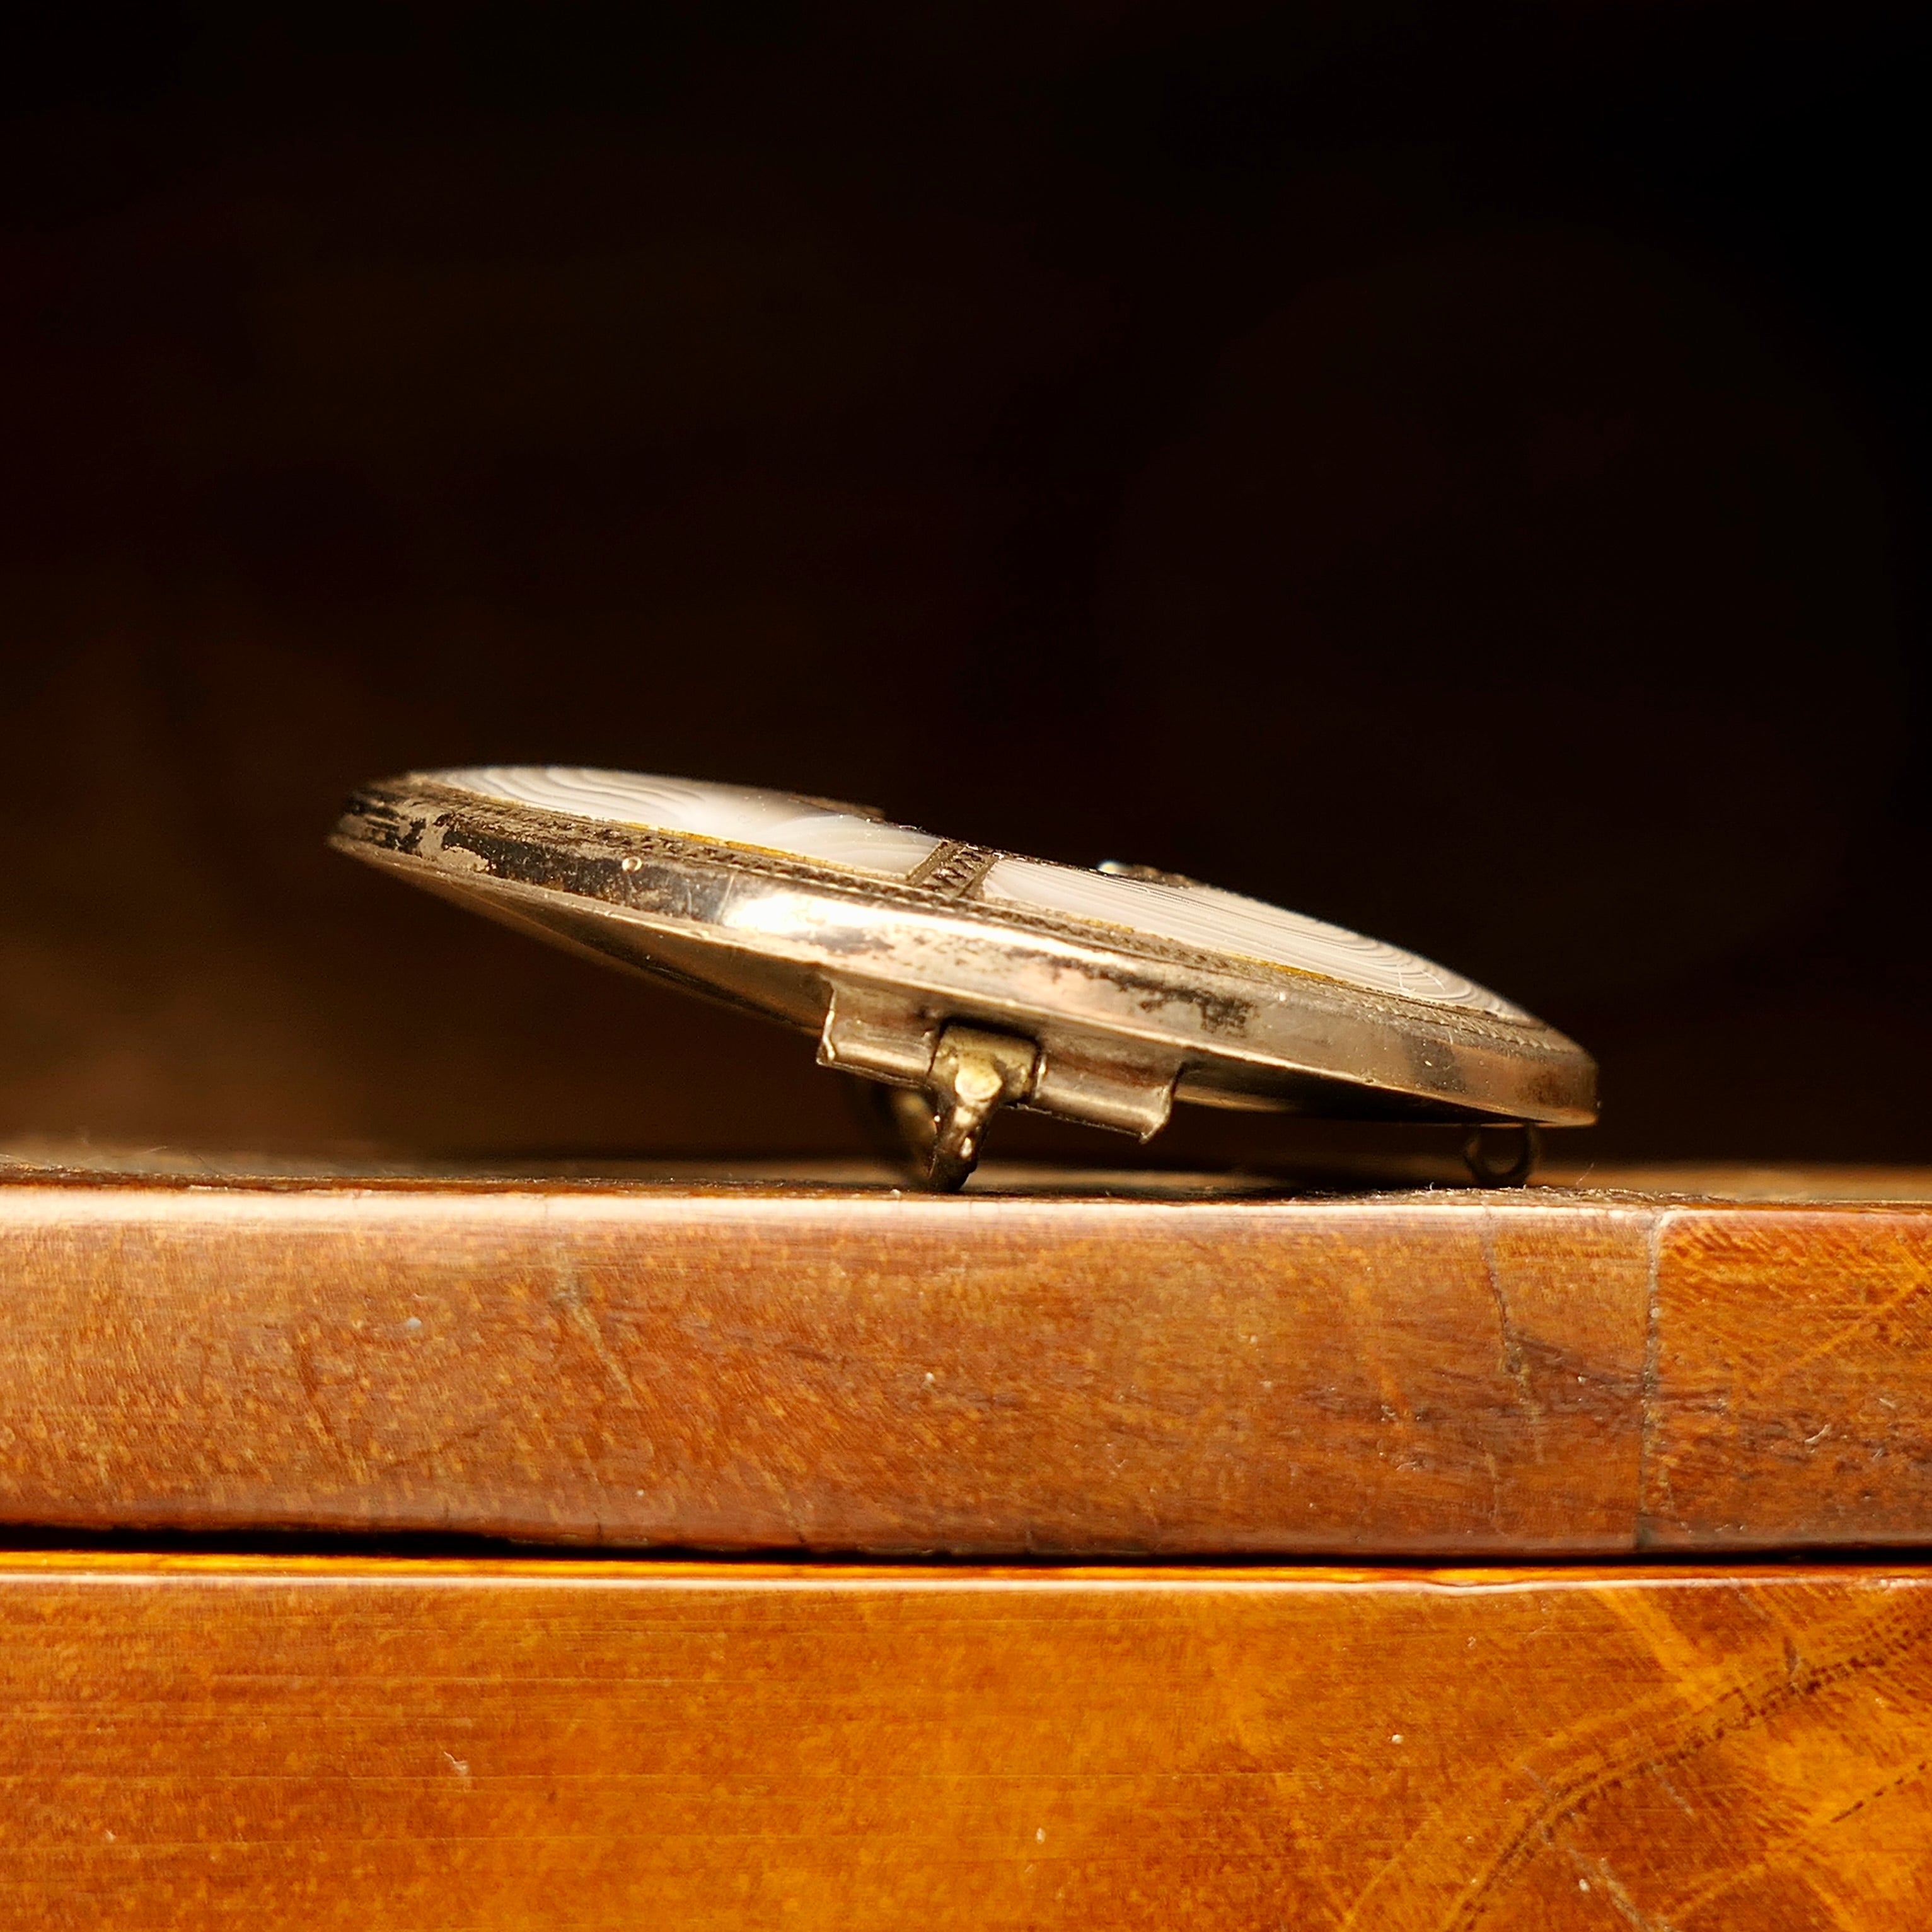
974	1074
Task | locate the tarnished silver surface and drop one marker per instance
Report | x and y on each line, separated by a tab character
1123	989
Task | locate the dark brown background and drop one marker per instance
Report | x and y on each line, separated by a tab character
1459	471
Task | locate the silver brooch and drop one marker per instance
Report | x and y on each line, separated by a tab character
973	979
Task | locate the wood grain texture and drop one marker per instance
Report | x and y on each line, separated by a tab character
205	1743
1793	1364
1448	1375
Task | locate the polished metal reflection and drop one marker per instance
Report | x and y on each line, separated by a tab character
979	979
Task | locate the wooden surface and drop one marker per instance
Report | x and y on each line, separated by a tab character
208	1743
1540	1372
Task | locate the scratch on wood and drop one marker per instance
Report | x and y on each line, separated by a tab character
311	1385
1675	1796
569	1297
1597	1875
1514	1365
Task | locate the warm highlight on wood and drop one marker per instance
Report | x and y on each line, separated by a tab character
1453	1374
205	1744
